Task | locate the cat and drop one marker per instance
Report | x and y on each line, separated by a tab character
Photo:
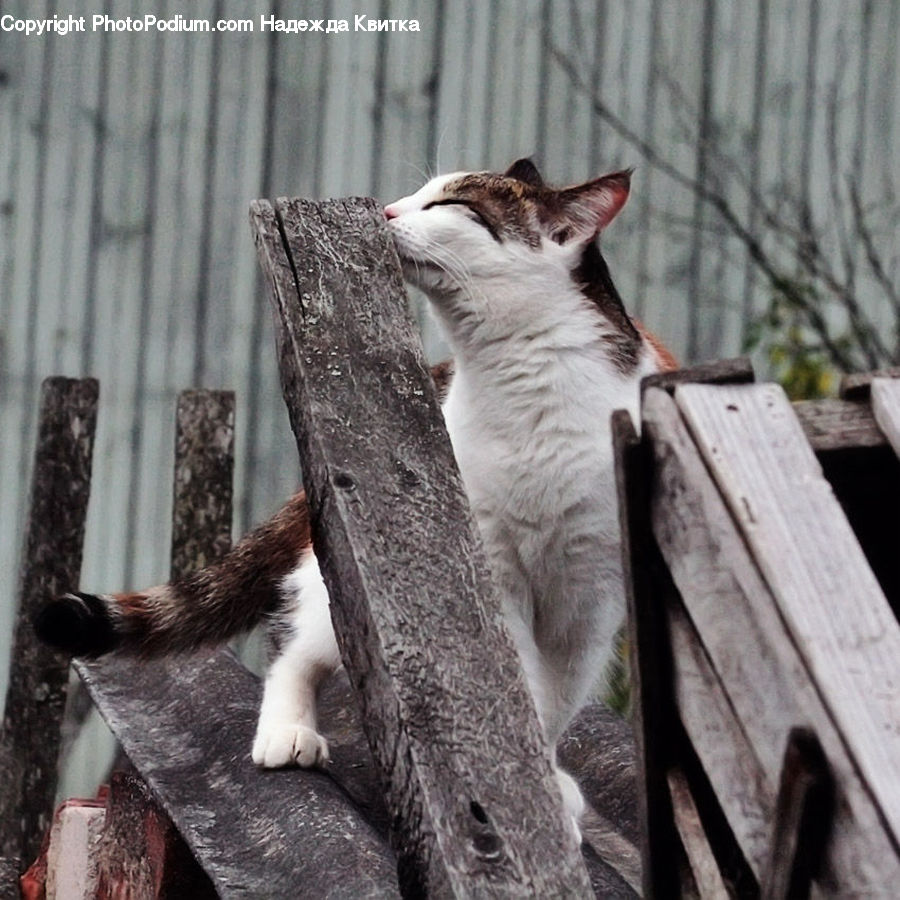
543	353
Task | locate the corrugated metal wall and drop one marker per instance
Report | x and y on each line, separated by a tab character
128	160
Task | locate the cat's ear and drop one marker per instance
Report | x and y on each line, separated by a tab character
586	209
525	170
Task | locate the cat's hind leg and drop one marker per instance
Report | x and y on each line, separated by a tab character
287	731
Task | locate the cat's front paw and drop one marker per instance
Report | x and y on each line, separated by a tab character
573	801
288	745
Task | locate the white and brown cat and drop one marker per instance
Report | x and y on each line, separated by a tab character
544	351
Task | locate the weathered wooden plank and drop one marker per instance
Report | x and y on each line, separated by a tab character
803	818
35	699
725	371
759	667
651	662
766	681
703	863
838	424
720	743
139	853
858	385
886	408
831	602
187	726
446	711
204	462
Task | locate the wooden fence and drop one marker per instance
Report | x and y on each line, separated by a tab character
470	806
762	546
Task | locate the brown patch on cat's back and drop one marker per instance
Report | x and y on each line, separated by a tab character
442	375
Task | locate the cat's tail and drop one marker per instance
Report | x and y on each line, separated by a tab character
209	606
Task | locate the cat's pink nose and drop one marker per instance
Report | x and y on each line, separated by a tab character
391	211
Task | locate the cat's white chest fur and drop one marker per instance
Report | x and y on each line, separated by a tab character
529	418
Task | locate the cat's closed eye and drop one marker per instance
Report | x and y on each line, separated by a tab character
477	214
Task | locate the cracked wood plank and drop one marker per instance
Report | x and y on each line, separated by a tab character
35	699
446	711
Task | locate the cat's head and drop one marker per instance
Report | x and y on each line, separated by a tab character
468	238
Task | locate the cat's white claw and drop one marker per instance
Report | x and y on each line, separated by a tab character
289	745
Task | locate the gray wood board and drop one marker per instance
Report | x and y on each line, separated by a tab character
36	696
831	602
886	408
858	385
838	424
703	864
720	742
751	657
652	715
445	706
202	489
187	725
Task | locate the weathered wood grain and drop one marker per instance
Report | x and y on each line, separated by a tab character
886	408
831	602
187	726
139	852
724	371
838	424
9	878
204	462
766	681
703	864
35	699
720	743
651	675
445	707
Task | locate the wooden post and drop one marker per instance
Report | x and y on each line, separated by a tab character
202	491
470	791
35	699
653	709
